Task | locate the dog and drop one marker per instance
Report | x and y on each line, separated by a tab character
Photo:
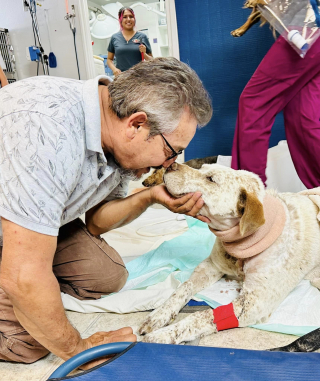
269	241
156	178
284	6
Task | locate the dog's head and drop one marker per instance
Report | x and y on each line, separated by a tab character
230	196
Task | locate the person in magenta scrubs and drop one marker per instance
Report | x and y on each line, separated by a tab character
282	82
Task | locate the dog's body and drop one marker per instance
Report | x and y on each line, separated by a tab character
256	16
232	199
156	178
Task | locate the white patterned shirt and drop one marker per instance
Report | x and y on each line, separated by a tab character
52	167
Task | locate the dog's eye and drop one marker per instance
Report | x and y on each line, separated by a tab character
210	179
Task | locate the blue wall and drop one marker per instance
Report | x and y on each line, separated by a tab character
224	64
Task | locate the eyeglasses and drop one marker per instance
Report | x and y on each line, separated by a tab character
174	153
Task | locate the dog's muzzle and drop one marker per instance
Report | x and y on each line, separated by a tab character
172	167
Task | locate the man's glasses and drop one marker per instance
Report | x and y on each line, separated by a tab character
174	153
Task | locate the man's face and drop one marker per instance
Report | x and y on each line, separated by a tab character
144	152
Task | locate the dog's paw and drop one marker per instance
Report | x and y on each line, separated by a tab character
316	283
157	319
165	335
237	33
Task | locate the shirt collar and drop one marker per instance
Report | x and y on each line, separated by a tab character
92	112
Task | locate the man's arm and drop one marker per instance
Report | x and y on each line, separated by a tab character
3	78
114	214
27	278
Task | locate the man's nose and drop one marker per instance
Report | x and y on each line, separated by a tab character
167	163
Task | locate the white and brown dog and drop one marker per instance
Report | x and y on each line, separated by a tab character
269	241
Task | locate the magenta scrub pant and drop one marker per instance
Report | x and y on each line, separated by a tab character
282	81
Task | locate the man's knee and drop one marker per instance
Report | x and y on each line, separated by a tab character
85	265
107	276
99	279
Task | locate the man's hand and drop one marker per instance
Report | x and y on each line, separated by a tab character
189	204
100	338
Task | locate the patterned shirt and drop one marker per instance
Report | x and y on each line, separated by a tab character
52	167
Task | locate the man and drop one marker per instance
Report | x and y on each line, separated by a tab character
69	147
3	78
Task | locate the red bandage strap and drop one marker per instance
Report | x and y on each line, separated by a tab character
224	317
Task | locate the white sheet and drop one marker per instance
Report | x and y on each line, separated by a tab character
129	243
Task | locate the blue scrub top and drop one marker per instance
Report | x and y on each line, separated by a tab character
128	53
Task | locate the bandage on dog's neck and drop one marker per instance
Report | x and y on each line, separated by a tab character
253	243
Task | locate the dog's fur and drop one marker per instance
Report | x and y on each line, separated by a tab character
256	15
267	278
156	178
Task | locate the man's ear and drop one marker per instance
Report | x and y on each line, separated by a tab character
251	210
134	122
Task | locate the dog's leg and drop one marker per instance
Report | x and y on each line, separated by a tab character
254	3
195	325
252	19
314	277
204	275
247	309
316	283
262	293
259	297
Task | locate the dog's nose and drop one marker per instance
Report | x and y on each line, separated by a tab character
172	167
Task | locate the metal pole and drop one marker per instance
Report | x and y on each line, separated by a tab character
43	59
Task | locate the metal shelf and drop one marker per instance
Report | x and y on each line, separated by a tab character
6	50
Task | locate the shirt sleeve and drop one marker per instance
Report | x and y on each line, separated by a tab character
37	171
146	42
120	191
111	45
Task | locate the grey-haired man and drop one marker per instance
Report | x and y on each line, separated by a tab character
67	148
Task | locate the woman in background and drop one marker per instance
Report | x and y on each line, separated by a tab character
3	79
127	45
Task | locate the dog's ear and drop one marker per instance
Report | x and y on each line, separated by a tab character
251	210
